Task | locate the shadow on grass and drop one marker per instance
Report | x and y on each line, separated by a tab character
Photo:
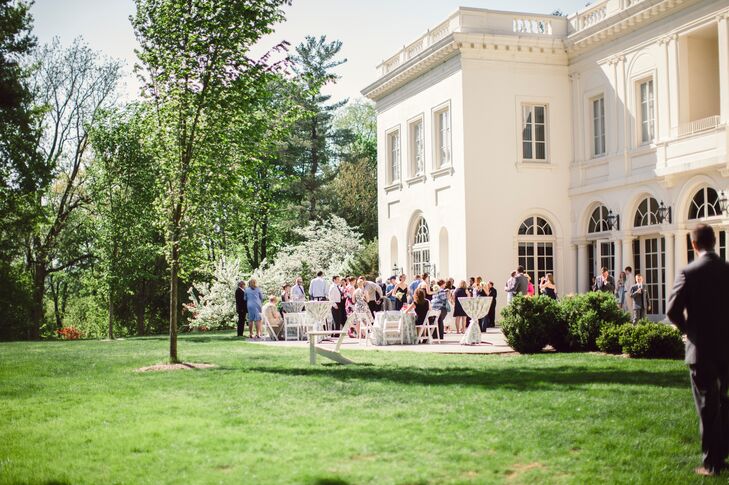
521	379
328	481
196	338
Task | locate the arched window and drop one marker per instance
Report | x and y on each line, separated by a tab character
646	214
536	247
705	203
421	247
535	226
598	221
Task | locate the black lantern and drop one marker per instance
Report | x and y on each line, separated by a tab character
663	214
395	270
613	221
724	203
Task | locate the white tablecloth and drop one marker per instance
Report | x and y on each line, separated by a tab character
410	333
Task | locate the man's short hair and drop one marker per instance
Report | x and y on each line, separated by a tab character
319	273
520	269
704	238
629	268
241	283
637	273
335	277
604	269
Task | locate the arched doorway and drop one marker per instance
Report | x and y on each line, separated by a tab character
420	247
536	246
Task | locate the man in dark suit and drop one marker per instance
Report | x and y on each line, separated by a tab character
521	282
699	306
641	299
604	282
241	307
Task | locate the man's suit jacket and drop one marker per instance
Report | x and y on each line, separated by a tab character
640	300
604	284
521	284
240	301
702	290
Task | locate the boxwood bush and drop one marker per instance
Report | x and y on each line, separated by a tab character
582	316
526	322
644	340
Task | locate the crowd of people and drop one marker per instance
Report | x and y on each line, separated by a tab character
421	294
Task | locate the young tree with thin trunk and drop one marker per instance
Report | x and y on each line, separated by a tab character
193	58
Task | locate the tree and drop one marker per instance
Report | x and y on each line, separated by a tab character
314	137
211	304
22	171
122	190
194	65
355	184
73	85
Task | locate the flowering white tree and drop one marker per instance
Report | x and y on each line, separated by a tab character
327	246
213	304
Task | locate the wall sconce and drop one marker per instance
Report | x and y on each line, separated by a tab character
663	214
724	203
613	221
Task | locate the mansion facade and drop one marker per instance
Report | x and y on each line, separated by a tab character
559	143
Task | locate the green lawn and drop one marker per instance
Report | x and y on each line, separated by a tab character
76	412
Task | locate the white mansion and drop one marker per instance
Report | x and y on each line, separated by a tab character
559	143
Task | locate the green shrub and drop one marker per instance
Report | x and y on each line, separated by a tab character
609	339
584	315
652	340
526	323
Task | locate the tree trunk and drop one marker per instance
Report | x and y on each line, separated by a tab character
39	289
56	294
111	313
173	302
139	307
314	169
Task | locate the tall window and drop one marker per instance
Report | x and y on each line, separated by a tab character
646	214
417	157
421	247
534	132
598	126
705	203
598	221
443	137
647	121
393	151
536	247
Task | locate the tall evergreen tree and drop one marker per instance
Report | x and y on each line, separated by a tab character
311	149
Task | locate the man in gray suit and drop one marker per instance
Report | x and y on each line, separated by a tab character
604	282
521	282
699	306
641	298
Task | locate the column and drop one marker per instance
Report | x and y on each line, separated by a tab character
582	272
618	258
723	30
627	253
670	264
673	85
680	256
663	98
571	284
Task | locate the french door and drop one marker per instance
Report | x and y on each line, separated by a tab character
650	258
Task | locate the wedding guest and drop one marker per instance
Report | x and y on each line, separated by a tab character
272	315
641	299
360	303
254	299
530	286
471	284
510	287
400	292
414	286
426	284
421	306
440	304
349	294
382	285
318	288
286	292
480	291
458	313
629	282
373	295
389	297
336	296
450	284
547	286
241	307
491	316
297	292
621	290
521	282
604	282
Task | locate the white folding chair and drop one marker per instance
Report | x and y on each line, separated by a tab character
269	328
296	322
392	324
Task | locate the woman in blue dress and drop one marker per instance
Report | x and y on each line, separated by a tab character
254	298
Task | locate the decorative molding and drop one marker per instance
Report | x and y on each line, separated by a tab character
440	172
393	187
416	179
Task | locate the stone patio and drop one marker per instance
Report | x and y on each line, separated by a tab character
495	338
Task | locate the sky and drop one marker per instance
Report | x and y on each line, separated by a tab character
370	30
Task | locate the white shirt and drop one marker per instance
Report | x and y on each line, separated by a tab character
297	293
318	288
334	295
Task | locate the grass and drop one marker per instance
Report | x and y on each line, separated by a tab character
76	412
